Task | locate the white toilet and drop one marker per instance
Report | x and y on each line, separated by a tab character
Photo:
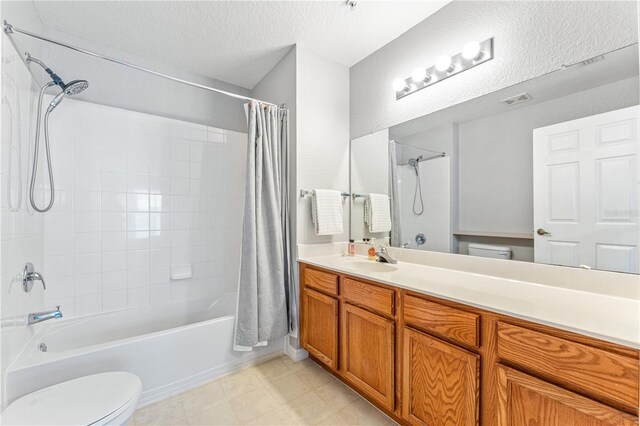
98	399
489	250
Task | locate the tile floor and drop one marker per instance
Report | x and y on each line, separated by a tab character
277	392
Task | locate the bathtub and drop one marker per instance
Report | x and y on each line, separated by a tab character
171	348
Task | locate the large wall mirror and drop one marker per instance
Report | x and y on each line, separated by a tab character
544	171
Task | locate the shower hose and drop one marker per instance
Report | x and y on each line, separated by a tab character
34	169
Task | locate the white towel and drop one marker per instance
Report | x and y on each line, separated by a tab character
326	211
377	213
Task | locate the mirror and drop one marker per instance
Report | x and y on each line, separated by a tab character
543	171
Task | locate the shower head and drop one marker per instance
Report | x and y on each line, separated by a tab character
413	162
73	88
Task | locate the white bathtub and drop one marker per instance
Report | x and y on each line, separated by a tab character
170	347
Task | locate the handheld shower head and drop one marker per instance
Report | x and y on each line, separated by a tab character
71	89
414	162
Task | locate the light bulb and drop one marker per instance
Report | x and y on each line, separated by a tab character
471	50
399	85
444	64
419	75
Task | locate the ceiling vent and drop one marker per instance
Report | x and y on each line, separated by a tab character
517	99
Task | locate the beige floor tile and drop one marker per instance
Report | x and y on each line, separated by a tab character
221	414
272	370
167	412
361	412
253	404
287	388
314	376
334	420
336	394
281	415
203	397
239	383
296	366
131	421
310	409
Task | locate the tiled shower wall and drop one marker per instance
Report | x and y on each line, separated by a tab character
21	231
136	195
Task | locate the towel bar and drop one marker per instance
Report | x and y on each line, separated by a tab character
305	193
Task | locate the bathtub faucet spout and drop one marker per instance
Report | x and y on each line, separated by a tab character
37	317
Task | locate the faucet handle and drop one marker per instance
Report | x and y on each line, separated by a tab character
57	307
29	276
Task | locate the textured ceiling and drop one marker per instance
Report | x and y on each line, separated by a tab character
236	41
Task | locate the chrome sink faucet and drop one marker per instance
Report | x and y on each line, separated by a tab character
36	317
384	256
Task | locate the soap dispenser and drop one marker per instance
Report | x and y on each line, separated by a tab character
372	249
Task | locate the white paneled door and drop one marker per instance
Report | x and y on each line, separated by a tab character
586	183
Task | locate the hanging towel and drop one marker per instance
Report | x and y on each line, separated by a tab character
326	211
377	213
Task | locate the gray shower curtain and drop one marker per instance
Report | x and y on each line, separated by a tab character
266	262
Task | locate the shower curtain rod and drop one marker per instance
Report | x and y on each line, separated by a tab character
442	153
10	29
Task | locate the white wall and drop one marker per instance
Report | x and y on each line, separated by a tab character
21	230
279	87
531	39
135	195
496	156
322	137
369	174
122	87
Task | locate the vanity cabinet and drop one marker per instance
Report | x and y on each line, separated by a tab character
526	400
427	361
368	353
320	327
441	382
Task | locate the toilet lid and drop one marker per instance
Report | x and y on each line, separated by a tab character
82	401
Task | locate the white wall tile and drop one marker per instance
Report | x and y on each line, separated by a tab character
136	195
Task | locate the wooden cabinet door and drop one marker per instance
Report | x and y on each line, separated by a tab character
525	400
440	382
368	346
320	327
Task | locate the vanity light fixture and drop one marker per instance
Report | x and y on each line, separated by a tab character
400	85
473	53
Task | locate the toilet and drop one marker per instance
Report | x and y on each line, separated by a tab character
489	250
98	399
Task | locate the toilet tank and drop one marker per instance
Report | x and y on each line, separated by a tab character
489	250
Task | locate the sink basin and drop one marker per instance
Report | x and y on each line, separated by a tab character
366	266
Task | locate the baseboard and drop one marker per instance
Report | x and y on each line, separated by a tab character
295	353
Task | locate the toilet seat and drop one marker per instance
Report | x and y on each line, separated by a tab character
98	399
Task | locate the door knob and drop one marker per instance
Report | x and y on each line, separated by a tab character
541	231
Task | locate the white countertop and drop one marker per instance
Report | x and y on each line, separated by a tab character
602	315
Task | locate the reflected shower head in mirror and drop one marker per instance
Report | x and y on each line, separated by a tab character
414	162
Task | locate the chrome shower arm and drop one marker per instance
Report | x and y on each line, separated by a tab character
56	79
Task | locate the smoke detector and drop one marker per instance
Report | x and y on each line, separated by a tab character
517	99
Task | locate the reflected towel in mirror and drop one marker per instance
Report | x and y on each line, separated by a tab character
377	213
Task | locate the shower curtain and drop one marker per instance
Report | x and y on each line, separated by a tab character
266	262
394	194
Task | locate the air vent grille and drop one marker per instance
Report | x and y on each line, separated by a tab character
517	99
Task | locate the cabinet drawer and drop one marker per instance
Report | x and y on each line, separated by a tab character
323	281
602	375
377	298
455	324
